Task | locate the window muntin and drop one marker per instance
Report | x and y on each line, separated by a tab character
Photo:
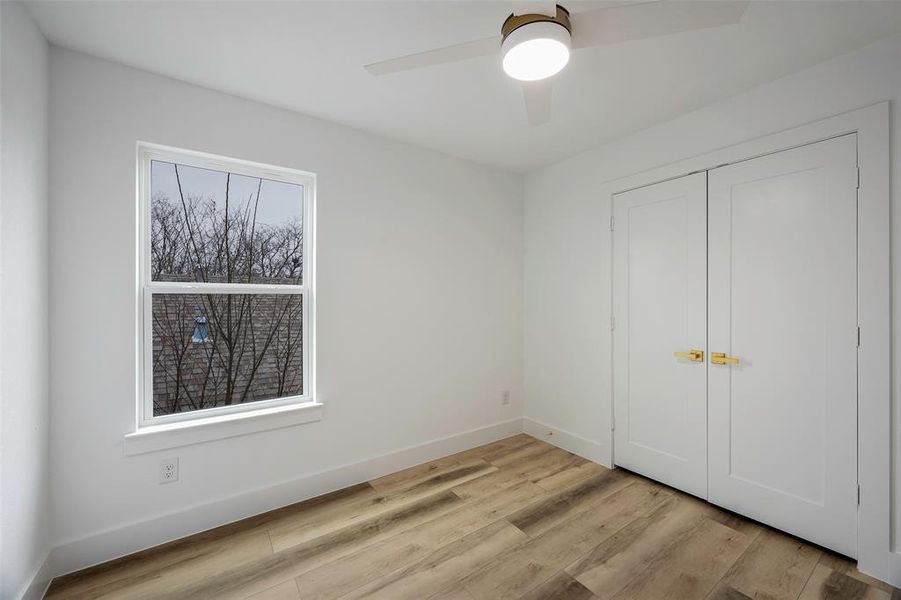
226	272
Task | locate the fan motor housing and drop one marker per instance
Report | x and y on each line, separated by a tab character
514	22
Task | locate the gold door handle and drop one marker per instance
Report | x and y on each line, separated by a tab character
720	358
693	355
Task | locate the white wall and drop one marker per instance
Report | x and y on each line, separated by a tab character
419	299
24	482
567	238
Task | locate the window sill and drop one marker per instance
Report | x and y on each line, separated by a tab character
173	435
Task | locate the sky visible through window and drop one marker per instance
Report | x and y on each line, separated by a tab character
280	202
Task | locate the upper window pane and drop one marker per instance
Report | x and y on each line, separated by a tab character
219	227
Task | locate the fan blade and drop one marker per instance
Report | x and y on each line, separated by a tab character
538	101
535	7
638	21
448	54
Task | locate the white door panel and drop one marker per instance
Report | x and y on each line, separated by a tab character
782	299
660	308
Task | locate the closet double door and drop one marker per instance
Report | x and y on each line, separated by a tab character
735	338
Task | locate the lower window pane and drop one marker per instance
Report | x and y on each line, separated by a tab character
214	350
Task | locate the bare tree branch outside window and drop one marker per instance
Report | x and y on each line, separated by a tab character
212	350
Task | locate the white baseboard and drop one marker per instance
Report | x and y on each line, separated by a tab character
101	547
37	584
571	442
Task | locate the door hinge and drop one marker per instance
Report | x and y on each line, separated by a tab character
613	427
612	323
858	336
858	177
858	494
612	222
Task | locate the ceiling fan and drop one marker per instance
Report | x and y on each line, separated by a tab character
536	39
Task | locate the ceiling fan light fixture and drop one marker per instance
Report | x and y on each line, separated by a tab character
536	46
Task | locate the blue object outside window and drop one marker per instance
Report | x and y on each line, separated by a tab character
201	330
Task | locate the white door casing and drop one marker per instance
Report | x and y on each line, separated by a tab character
659	300
783	300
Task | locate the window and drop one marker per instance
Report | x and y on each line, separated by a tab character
226	284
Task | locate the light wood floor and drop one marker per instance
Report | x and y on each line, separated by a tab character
514	519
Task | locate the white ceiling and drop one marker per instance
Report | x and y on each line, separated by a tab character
309	56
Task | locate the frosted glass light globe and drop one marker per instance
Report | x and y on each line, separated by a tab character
536	51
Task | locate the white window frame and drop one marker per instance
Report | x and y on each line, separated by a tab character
147	153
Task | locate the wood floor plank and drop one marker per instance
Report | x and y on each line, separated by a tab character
301	558
724	592
722	516
307	526
845	565
491	451
456	593
689	568
776	566
613	564
556	508
512	449
729	519
525	468
520	569
442	570
284	591
507	457
193	548
570	475
156	574
828	584
560	587
426	472
407	477
378	560
339	578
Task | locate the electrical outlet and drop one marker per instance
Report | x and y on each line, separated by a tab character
505	397
168	470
